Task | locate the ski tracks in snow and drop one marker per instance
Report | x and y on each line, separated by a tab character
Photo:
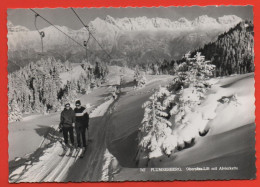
50	166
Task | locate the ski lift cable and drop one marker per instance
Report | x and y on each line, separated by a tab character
86	26
86	45
57	28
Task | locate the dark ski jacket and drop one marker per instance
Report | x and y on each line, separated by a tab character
67	117
82	117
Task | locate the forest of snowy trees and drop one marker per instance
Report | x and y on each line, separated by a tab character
232	52
166	114
37	87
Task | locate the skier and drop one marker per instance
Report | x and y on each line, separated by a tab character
82	120
67	123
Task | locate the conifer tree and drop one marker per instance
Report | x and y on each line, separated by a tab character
15	113
155	127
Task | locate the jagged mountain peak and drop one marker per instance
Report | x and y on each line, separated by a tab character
9	24
110	19
98	22
205	19
228	19
15	28
183	20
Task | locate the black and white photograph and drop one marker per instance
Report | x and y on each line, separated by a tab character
131	94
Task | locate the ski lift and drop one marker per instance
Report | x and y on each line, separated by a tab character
85	43
41	33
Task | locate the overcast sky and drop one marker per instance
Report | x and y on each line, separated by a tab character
65	17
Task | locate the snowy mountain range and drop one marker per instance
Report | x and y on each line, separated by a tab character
144	23
133	39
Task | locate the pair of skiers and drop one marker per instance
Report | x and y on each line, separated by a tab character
78	119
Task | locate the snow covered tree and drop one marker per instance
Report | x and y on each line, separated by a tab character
204	68
139	79
37	105
166	124
136	71
190	94
156	129
155	69
195	70
14	112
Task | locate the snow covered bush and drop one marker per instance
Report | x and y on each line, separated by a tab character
141	81
230	99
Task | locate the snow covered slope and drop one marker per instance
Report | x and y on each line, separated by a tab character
114	125
229	142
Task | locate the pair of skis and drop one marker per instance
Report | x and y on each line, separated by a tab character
73	152
81	153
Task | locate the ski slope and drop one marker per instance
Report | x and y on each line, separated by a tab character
49	166
113	132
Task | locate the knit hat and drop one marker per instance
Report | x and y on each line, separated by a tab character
78	102
67	104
